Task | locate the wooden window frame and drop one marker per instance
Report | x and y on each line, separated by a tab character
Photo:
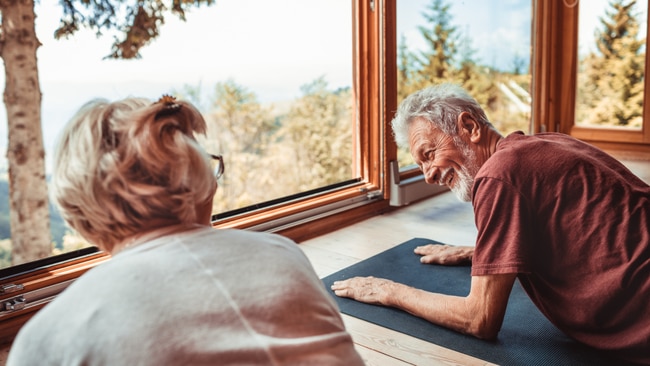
555	45
375	93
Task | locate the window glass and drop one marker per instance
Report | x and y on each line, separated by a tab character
275	89
484	45
611	67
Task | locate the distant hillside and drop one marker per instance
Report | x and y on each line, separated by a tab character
4	210
58	226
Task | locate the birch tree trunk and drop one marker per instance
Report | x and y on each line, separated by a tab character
29	209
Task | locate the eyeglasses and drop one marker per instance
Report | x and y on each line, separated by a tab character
218	166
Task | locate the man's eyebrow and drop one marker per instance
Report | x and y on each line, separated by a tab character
427	146
418	151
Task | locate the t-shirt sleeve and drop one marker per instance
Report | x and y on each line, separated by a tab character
505	226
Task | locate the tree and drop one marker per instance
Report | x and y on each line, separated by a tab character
278	150
449	57
317	131
611	78
137	20
29	216
477	83
239	127
441	37
430	66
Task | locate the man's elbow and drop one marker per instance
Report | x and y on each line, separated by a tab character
484	329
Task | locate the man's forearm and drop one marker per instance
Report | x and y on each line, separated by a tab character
444	310
479	314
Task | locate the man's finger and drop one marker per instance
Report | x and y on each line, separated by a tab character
343	293
424	249
429	259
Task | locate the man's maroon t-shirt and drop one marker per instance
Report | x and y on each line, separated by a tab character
574	224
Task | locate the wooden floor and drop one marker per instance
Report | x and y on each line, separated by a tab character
442	218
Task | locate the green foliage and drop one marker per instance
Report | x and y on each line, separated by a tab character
58	227
5	253
610	81
240	129
434	65
282	149
138	20
69	242
442	38
318	129
5	229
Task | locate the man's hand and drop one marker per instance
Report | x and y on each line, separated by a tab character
480	313
446	255
370	290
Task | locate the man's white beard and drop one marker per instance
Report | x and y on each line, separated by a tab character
463	187
465	177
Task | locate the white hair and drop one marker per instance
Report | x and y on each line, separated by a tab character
441	105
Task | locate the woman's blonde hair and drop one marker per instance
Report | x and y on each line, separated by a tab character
130	165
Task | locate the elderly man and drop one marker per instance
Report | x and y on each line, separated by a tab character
566	219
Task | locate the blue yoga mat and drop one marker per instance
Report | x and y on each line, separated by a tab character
526	337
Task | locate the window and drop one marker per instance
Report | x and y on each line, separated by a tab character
485	47
346	93
278	97
611	65
590	76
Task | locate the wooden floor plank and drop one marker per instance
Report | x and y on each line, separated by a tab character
404	347
373	358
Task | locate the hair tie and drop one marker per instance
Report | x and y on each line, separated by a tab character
169	105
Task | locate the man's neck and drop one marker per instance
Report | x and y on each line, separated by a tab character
493	138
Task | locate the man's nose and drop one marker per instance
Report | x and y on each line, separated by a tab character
431	174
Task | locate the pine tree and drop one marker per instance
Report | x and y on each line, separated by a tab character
469	74
441	37
449	58
610	87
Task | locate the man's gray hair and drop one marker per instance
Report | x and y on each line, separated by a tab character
440	104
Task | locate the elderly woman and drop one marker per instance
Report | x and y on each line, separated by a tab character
131	178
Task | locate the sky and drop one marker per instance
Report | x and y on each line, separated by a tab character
498	29
205	50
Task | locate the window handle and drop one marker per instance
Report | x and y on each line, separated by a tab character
13	304
9	288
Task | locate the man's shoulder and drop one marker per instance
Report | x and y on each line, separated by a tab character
520	156
541	148
518	139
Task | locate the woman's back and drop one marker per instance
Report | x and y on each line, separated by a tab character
205	296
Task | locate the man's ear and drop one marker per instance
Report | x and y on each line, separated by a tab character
467	126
